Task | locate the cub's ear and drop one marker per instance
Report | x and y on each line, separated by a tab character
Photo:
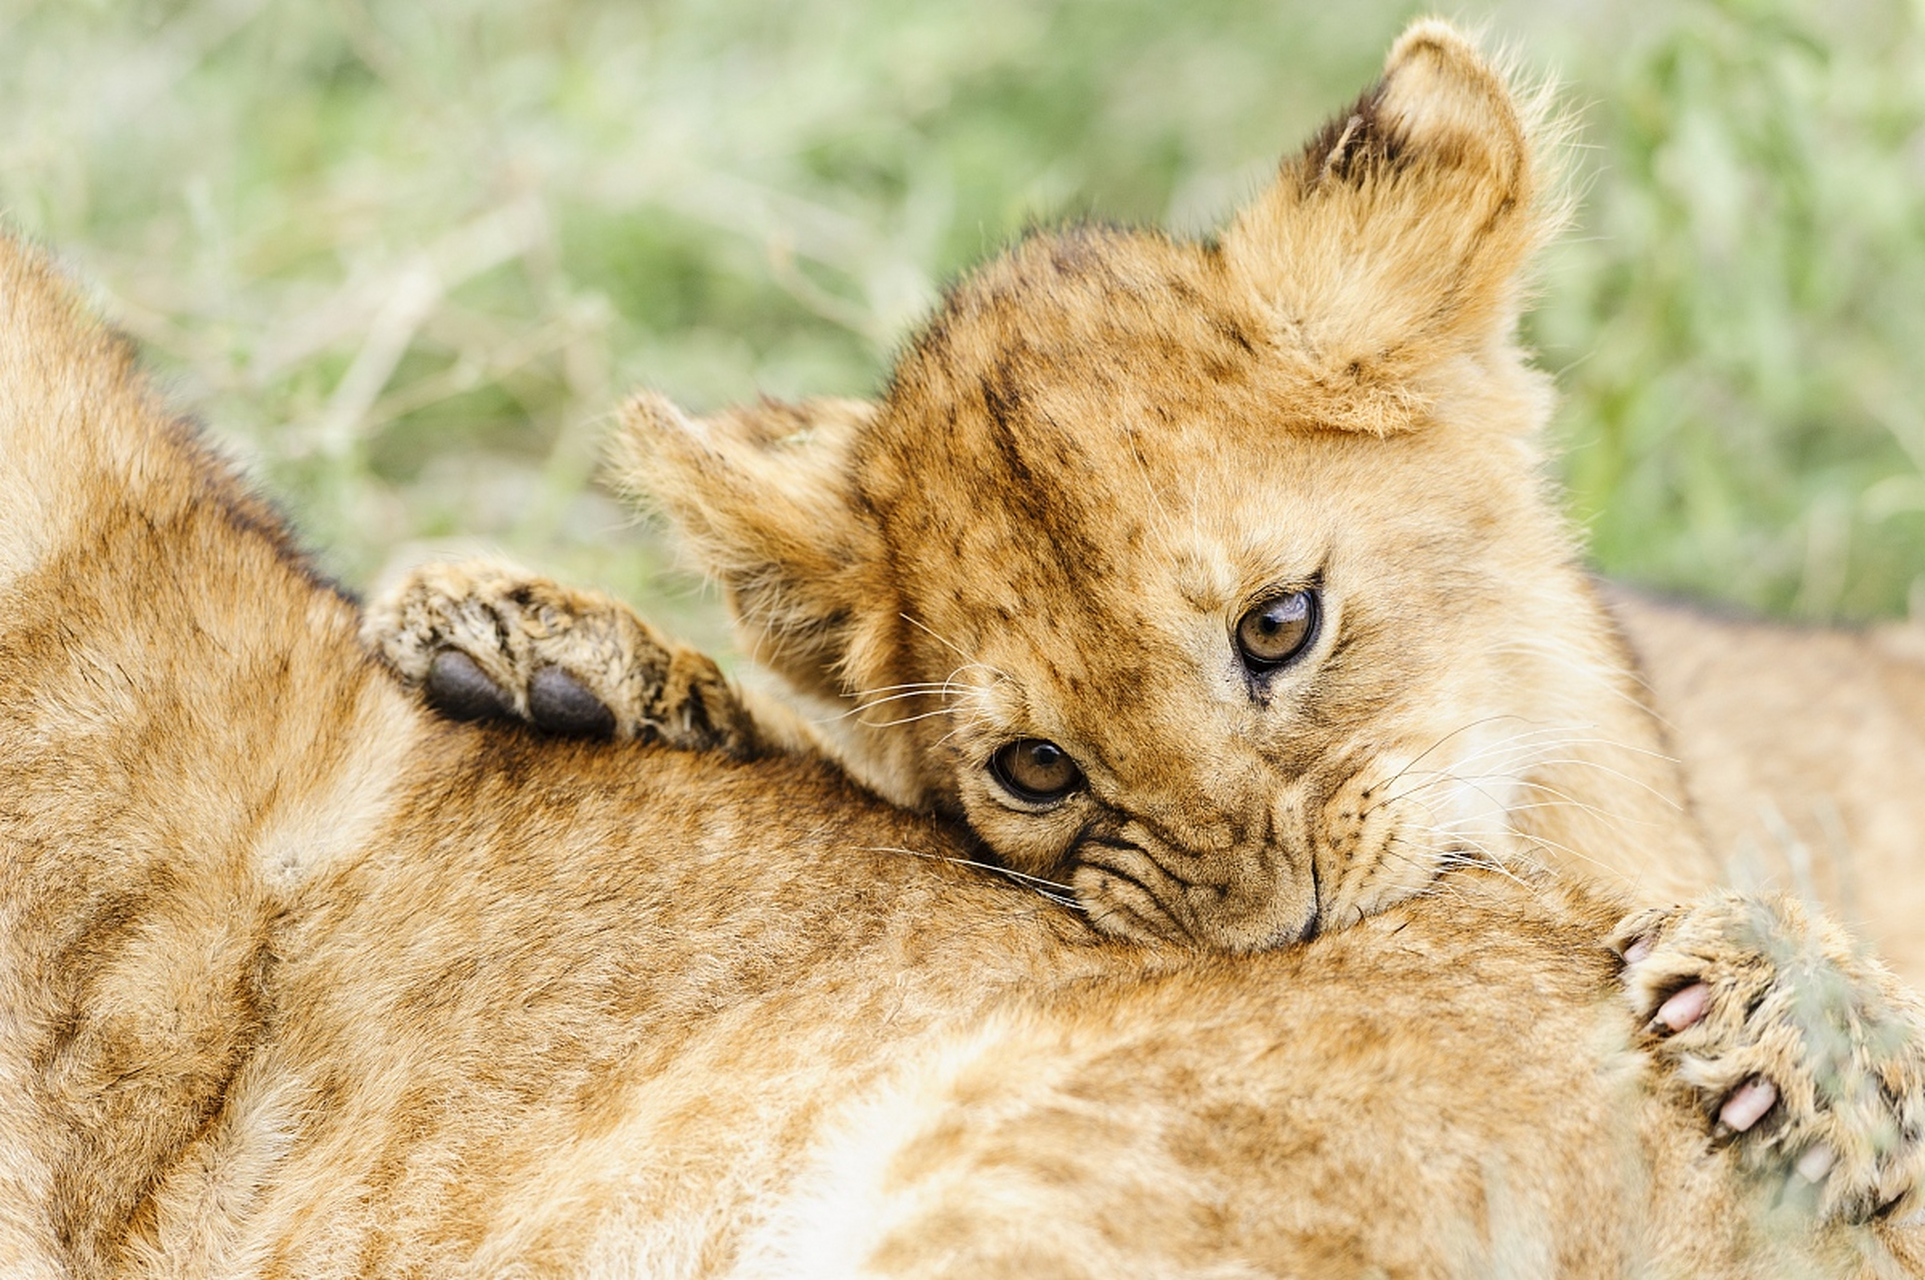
762	494
1395	242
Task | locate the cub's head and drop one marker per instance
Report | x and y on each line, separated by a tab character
1214	581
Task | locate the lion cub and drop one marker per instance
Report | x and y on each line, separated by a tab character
1215	585
1218	582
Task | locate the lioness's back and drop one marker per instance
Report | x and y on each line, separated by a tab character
1804	752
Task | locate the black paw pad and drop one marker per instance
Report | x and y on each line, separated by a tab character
559	704
456	688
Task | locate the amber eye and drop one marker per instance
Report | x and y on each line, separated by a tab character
1277	630
1035	771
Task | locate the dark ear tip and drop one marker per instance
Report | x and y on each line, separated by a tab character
457	689
1351	143
560	704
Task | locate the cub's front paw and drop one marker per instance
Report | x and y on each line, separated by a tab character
1807	1055
483	640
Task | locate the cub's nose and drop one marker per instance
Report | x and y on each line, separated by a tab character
1256	914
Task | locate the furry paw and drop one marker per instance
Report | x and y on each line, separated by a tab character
1806	1055
484	641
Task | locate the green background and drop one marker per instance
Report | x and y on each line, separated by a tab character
407	257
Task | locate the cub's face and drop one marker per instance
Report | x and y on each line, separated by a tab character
1212	583
1229	673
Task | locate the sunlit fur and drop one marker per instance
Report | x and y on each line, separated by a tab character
296	980
1109	444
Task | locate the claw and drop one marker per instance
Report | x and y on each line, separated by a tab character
1684	1008
1816	1163
1748	1104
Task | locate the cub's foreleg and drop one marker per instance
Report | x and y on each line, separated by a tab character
484	640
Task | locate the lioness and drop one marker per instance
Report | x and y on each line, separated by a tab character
298	980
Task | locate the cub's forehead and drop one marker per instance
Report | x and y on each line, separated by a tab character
1090	320
1094	440
1071	388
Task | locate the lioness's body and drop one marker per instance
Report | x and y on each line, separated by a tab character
295	981
1803	758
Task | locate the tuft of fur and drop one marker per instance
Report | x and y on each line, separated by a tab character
296	979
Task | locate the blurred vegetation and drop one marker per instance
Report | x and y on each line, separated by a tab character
408	257
1740	320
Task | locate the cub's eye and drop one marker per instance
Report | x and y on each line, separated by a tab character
1035	771
1277	630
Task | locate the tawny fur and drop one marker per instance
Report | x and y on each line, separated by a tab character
298	980
1804	758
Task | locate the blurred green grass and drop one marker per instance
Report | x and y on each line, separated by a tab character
408	257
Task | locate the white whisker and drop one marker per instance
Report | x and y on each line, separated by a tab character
902	720
1413	761
952	646
1581	763
1023	878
